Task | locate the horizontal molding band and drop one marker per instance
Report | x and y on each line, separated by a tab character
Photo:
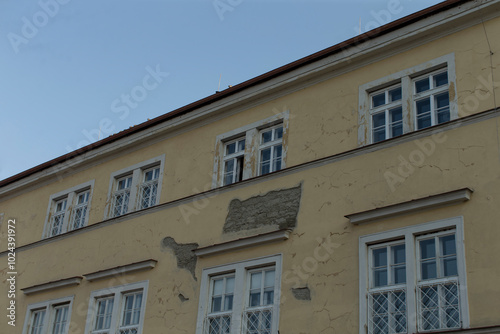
252	241
121	270
52	285
448	198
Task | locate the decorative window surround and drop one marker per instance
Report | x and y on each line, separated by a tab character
251	134
449	198
118	309
121	270
52	285
130	193
405	79
245	314
68	209
414	284
49	317
252	241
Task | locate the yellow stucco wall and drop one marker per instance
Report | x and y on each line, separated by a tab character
323	122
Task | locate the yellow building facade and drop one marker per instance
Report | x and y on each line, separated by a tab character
352	191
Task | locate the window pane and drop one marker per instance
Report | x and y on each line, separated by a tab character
441	79
269	296
427	249
37	323
442	108
398	254
241	145
395	94
255	298
378	100
448	246
230	148
218	284
216	304
228	302
279	133
399	274
230	285
267	136
422	85
378	120
269	279
380	257
450	267
256	280
380	277
428	269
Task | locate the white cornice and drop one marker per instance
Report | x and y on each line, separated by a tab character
252	241
52	285
369	51
121	270
449	198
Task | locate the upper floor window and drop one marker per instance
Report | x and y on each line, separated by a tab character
407	101
117	310
255	149
50	317
136	187
242	298
421	272
68	210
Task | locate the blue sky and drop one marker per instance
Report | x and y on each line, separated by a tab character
70	67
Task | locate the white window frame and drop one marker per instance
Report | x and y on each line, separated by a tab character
251	155
411	235
273	144
406	79
239	161
50	307
118	294
137	172
386	109
241	272
69	213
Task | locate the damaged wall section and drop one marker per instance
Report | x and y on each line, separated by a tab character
186	259
276	208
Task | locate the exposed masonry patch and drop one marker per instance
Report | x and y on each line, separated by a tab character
302	293
278	208
184	254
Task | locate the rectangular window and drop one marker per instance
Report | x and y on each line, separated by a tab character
136	187
271	150
50	317
117	310
234	152
252	150
244	299
431	97
420	273
407	101
68	210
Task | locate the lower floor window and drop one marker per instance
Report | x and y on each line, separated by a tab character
244	299
117	310
421	272
50	317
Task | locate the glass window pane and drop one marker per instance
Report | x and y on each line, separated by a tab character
256	280
269	278
427	249
441	79
429	269
422	85
396	114
230	148
378	100
218	285
378	120
380	257
255	298
216	304
450	267
241	145
442	107
398	254
399	274
269	297
228	302
380	277
230	285
279	133
395	94
266	136
378	134
448	246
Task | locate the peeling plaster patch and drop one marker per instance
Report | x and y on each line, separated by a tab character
182	298
302	293
278	208
186	259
